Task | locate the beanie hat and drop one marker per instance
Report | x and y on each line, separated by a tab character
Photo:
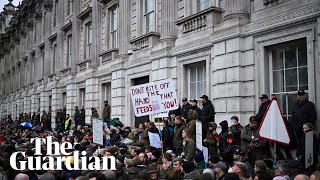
156	153
198	157
242	166
188	166
223	166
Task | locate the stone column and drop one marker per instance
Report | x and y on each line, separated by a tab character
47	47
71	98
236	8
118	98
168	15
92	96
124	27
96	32
76	36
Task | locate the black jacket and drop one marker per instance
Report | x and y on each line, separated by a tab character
302	113
166	138
185	110
262	110
236	134
196	108
207	113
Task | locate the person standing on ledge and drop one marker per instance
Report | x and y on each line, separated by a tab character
106	110
263	108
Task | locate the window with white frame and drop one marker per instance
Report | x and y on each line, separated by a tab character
106	92
113	26
289	69
82	97
54	58
88	40
68	7
202	5
149	15
50	101
69	50
197	80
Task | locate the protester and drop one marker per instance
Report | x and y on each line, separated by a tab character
194	106
177	138
307	127
235	131
250	141
189	147
212	139
185	108
303	112
106	110
207	113
264	99
76	116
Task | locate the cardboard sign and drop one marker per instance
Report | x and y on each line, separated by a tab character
199	135
154	97
97	129
154	139
205	152
272	127
309	149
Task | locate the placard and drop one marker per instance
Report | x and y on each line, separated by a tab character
97	128
154	140
199	135
155	97
205	152
309	149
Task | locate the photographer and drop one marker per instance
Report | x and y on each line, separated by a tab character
250	141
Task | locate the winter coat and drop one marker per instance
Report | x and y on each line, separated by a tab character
166	137
302	113
207	113
177	137
192	129
236	133
76	115
185	110
193	175
106	111
223	145
247	144
196	108
262	110
211	142
189	149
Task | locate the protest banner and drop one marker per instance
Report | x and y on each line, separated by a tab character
155	97
97	128
199	135
154	140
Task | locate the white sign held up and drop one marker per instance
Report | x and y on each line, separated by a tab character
155	97
272	127
97	128
309	149
154	139
199	135
205	152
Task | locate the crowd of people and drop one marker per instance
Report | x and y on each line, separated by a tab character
235	152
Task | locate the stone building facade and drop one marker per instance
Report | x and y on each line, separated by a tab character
63	53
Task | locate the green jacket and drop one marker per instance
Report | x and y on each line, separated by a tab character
189	149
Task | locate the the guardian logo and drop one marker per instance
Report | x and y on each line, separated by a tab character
48	162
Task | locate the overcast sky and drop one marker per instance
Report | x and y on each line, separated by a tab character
4	2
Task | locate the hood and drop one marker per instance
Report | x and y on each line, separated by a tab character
224	126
